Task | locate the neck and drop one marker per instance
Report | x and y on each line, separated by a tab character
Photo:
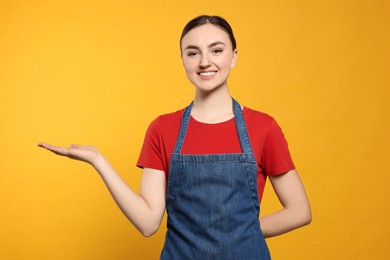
213	107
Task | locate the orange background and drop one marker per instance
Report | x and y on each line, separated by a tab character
97	72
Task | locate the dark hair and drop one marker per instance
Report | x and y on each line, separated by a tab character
214	20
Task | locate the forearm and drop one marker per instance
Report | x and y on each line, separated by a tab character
133	205
296	210
145	211
283	221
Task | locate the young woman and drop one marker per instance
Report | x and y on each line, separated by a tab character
206	165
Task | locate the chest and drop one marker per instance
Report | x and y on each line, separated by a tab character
218	138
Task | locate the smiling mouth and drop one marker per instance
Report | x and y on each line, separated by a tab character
207	73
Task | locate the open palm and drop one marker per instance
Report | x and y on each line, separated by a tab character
77	152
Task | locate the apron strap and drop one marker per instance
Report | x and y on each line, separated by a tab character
242	131
240	126
183	128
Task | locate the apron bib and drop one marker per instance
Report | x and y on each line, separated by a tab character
212	202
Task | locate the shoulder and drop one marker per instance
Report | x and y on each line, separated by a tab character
168	118
257	118
261	125
166	122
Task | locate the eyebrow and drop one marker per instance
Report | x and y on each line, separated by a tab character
210	46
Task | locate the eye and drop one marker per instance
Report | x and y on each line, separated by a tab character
217	51
192	53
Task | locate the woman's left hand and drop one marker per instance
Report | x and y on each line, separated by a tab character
296	210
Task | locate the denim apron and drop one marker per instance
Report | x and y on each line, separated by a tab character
212	202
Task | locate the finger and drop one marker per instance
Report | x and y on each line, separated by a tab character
55	149
42	144
45	145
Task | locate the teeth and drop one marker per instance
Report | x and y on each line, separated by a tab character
207	73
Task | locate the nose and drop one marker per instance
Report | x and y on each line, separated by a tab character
204	61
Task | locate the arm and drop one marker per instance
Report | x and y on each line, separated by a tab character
296	210
144	210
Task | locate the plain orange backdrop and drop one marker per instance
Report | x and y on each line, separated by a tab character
98	72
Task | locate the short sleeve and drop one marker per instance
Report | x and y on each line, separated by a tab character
276	158
151	156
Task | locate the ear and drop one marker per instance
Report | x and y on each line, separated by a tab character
234	59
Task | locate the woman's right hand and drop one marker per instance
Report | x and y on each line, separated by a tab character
144	210
77	152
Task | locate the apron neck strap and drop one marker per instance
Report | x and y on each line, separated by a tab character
240	126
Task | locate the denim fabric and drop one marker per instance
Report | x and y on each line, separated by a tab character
212	202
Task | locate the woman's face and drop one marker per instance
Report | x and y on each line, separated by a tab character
208	57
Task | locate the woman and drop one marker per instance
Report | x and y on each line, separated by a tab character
207	164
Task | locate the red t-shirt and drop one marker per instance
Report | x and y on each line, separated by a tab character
267	140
